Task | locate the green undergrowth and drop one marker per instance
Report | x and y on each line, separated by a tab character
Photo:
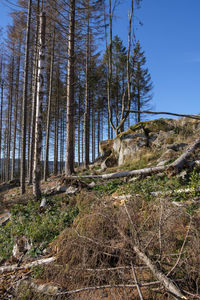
39	227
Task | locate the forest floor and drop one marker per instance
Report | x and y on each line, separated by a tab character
92	231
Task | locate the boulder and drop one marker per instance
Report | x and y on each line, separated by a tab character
127	145
178	146
109	162
61	188
105	147
71	190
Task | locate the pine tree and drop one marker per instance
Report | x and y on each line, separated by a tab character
140	81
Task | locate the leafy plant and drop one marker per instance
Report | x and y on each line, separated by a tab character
40	228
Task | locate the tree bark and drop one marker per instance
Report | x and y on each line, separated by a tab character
24	104
15	112
40	92
69	163
46	160
87	110
34	98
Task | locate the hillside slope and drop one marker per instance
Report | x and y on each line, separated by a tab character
125	238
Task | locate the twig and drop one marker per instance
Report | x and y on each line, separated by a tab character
181	251
136	281
92	288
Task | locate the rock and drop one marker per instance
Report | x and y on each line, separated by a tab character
61	189
105	147
71	190
126	146
178	146
4	218
182	175
109	162
92	185
133	179
169	154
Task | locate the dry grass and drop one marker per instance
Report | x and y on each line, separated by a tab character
98	249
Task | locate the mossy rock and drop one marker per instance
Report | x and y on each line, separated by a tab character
105	147
153	126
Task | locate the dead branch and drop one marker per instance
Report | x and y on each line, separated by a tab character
32	264
114	286
165	113
167	283
179	163
182	248
136	281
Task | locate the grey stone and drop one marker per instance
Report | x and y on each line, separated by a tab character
92	185
61	189
178	146
71	190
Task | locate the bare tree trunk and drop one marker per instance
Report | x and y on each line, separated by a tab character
34	97
79	123
1	121
98	130
38	125
46	160
56	120
69	163
24	105
87	110
15	112
9	117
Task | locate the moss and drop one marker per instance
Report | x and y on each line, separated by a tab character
153	126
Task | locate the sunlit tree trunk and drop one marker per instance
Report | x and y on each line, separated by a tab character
34	97
40	93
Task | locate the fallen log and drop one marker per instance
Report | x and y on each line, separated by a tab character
140	172
175	167
167	283
15	267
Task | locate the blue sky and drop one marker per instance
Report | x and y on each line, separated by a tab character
170	38
171	41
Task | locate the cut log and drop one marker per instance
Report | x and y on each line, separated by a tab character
175	167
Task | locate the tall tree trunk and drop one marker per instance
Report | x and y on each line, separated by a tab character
9	117
98	130
56	120
46	159
69	163
15	111
87	111
24	105
34	98
1	122
38	125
